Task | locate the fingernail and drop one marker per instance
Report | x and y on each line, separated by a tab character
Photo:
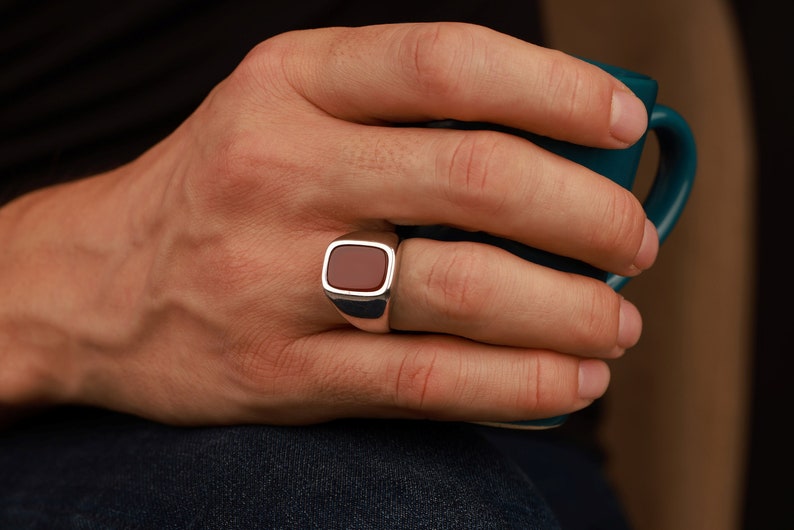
630	325
649	247
629	118
593	378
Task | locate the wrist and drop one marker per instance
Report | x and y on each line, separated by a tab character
60	252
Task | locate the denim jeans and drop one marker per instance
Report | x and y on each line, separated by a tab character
91	469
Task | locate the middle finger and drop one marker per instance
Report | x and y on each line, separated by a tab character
488	181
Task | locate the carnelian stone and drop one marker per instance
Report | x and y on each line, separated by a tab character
357	268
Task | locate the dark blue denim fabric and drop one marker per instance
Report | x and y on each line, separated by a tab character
569	471
88	469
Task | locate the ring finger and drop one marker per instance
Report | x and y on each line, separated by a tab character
490	295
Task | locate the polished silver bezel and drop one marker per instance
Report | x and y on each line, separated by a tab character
391	255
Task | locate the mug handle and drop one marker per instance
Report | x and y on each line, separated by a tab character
674	176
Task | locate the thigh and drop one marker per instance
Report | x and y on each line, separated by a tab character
85	468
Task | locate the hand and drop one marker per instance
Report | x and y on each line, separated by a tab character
185	286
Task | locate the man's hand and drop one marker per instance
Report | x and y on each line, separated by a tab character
185	286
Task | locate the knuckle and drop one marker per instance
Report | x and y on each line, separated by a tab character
549	383
544	388
230	171
262	362
239	148
454	283
414	377
625	217
423	382
596	324
435	55
564	87
232	175
468	172
573	96
233	138
266	63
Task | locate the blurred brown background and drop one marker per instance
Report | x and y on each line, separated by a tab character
694	419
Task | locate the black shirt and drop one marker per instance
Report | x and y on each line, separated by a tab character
87	85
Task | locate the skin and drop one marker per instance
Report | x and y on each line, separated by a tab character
185	286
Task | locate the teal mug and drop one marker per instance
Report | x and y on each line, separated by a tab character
663	203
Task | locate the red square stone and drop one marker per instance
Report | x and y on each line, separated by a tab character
357	268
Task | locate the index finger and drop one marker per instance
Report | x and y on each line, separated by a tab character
427	71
